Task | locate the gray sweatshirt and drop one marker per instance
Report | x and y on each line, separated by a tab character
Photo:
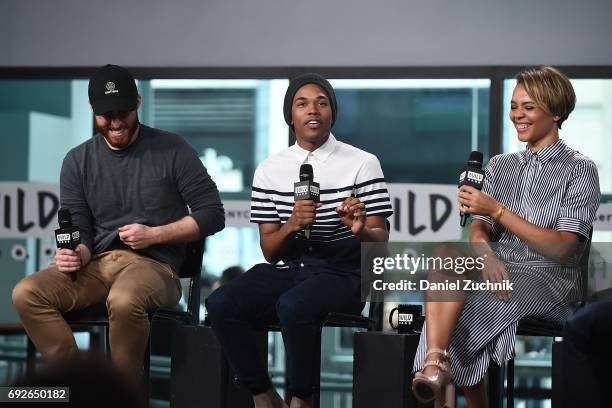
151	182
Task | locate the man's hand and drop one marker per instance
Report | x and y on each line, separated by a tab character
352	213
303	214
68	261
495	272
138	236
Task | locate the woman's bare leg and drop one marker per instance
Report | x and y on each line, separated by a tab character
443	308
476	395
441	318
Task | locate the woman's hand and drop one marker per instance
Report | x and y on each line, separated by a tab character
473	201
495	271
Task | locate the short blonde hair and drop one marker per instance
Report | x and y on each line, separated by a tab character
550	89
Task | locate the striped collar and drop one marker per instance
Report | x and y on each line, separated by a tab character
321	153
545	154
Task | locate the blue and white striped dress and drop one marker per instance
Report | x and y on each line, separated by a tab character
555	188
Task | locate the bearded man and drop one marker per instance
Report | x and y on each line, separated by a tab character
128	189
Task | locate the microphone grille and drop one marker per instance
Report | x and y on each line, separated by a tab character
475	159
64	217
306	172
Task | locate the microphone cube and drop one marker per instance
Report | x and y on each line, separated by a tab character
306	190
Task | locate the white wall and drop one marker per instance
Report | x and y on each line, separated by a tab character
203	33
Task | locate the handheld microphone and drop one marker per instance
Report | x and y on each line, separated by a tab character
306	189
472	175
67	235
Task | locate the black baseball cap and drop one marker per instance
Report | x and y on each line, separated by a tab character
112	88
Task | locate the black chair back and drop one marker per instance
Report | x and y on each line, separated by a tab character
192	268
584	267
539	327
192	264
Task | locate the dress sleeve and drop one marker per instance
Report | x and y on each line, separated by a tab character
581	200
487	187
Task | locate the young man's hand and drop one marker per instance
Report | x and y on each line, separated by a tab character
352	213
303	214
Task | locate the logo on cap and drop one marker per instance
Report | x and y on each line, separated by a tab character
110	88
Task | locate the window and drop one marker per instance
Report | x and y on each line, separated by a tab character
233	125
422	131
588	129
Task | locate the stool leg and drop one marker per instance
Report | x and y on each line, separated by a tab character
287	385
107	342
316	375
557	374
495	385
31	358
95	341
510	385
147	369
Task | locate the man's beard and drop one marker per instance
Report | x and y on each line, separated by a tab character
125	139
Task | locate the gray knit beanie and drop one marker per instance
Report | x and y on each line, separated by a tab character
311	78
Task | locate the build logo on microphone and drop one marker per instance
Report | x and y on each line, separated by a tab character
472	176
63	238
305	190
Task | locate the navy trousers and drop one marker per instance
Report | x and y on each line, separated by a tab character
298	298
587	356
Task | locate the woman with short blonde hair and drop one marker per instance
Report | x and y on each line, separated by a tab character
542	201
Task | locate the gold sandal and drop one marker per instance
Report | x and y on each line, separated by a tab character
439	386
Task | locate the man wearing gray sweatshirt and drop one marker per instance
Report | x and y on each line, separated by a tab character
129	190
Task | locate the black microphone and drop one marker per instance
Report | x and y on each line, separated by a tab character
472	175
67	235
306	189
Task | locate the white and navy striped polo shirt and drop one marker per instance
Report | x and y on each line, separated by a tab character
341	170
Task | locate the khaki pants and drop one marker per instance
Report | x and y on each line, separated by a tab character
130	284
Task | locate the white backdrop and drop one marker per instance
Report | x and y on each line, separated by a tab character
422	212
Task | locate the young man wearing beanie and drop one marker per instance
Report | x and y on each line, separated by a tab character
127	189
308	275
